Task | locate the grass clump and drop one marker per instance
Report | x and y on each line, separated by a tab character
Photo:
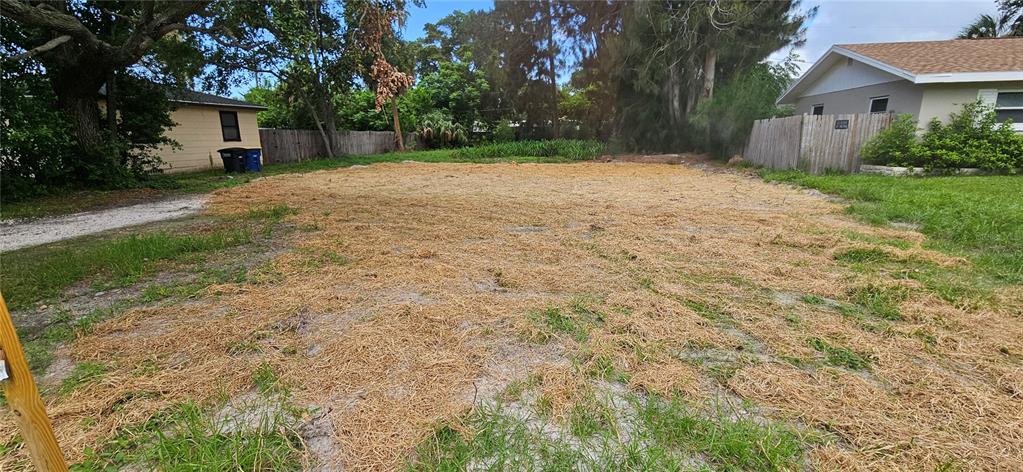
882	302
563	149
863	256
188	437
839	356
84	373
575	322
730	440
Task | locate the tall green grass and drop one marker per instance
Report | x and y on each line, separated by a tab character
980	217
566	149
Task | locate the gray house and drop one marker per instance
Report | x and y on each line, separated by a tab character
927	79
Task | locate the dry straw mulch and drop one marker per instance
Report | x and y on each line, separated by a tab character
405	298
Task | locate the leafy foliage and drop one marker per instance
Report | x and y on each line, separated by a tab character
35	141
893	146
972	137
724	122
438	130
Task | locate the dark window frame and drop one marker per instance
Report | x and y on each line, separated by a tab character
225	127
887	101
813	109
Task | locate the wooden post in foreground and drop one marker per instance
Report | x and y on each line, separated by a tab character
23	399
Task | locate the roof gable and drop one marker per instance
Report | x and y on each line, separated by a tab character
921	62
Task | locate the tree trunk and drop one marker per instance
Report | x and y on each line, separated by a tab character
112	103
710	61
553	75
397	125
327	142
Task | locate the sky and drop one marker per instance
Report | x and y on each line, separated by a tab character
837	21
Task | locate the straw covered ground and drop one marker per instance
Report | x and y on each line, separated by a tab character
419	293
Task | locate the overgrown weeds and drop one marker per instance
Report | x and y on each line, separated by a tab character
562	149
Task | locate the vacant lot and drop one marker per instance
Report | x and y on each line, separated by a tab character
603	316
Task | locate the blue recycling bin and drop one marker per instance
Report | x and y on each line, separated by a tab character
253	161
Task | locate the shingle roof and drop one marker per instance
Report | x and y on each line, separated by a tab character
189	96
952	56
200	98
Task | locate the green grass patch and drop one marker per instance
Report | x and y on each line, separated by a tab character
882	302
575	321
555	149
731	440
980	217
864	256
84	373
662	435
839	356
893	242
189	437
33	275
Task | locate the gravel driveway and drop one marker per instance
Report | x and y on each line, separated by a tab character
16	234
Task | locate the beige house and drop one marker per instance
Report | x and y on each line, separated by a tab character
927	79
206	123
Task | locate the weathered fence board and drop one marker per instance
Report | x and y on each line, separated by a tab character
294	145
814	143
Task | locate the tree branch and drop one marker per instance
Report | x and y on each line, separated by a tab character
50	19
42	48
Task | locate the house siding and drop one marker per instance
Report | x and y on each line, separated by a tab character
199	134
903	97
940	100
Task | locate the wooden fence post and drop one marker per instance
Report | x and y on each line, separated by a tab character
23	400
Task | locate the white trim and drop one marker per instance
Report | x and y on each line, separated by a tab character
1016	126
870	103
808	73
957	77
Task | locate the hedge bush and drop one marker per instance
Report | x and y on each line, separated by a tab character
971	138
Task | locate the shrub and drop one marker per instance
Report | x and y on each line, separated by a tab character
563	148
504	132
971	138
894	146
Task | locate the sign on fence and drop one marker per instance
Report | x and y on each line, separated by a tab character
814	143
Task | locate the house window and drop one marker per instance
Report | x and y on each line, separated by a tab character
1009	106
818	109
229	126
879	104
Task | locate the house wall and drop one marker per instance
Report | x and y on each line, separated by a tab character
844	74
939	100
903	97
198	132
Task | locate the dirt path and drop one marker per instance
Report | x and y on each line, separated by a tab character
416	292
16	234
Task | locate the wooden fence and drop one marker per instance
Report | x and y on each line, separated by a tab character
293	145
814	143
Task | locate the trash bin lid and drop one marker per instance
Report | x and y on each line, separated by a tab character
231	149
